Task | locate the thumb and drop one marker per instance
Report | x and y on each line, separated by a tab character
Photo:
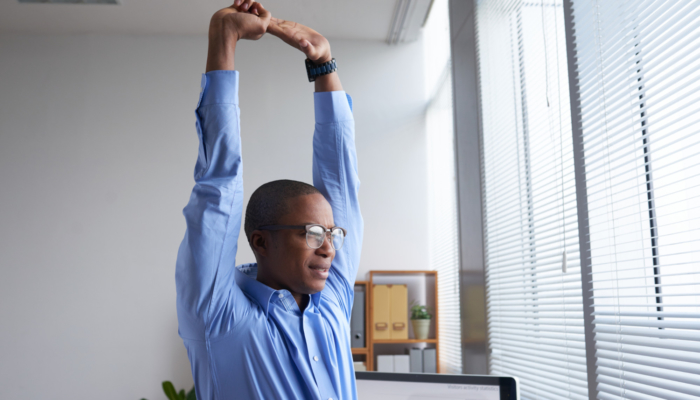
306	47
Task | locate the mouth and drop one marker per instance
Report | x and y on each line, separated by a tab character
319	272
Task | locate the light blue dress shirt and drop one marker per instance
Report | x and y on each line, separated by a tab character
244	339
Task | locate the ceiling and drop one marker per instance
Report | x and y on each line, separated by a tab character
339	19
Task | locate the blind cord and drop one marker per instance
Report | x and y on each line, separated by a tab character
546	63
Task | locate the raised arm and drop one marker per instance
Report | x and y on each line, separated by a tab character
335	175
206	258
334	156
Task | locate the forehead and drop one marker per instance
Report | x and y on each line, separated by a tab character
311	208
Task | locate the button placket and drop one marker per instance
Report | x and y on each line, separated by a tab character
317	367
310	344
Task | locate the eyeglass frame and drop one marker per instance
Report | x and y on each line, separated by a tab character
306	228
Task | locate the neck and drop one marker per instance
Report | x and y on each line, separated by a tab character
301	299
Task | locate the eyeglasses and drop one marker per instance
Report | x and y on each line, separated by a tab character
315	234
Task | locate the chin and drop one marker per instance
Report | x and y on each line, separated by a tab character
315	278
316	287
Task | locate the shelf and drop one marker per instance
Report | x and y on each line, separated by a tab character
420	283
359	350
385	341
403	272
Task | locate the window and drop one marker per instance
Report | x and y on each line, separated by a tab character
533	278
640	108
442	191
631	233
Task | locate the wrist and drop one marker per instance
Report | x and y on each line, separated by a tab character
328	83
222	49
323	59
223	29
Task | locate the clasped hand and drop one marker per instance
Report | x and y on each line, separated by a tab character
248	19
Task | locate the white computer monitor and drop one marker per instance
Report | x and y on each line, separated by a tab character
403	386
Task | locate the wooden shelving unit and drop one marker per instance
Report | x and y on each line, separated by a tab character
429	295
403	341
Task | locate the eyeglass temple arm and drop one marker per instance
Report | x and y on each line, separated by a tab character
274	227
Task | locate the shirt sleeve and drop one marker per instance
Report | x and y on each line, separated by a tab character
204	272
335	175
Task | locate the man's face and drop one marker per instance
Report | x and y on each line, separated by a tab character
291	263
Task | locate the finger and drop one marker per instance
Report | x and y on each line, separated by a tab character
245	6
260	11
238	5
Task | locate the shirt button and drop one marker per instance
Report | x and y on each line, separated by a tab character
316	359
280	295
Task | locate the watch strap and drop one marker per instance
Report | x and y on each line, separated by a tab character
313	71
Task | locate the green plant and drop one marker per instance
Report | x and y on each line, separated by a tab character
173	394
420	312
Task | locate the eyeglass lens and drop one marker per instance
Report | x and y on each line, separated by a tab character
316	235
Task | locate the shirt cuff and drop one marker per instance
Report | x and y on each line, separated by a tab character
332	107
219	87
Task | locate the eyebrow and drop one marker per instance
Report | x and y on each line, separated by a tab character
314	223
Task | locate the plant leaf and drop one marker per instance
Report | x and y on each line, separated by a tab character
191	395
169	390
181	395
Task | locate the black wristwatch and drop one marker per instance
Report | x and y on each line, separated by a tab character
313	71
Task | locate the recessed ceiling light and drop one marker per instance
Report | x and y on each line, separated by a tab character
71	1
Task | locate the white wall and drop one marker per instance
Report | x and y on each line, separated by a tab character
97	150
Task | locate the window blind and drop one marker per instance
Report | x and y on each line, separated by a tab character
638	71
443	230
533	275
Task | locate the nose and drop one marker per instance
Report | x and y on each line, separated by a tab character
326	249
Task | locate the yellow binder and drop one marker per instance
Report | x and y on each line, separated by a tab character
399	311
390	311
381	312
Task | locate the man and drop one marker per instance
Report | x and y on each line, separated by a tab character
278	328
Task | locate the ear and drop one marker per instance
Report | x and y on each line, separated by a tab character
260	242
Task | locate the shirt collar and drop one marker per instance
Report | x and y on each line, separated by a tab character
246	278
